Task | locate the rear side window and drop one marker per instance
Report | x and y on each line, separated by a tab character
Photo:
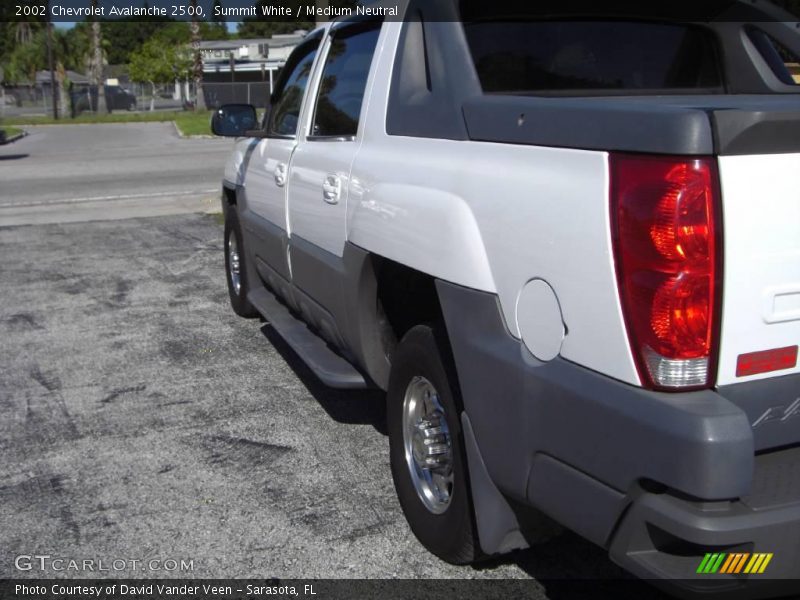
344	81
571	56
783	62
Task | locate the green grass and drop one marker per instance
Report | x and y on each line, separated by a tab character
11	131
189	123
194	123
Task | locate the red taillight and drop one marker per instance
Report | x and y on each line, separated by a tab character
666	227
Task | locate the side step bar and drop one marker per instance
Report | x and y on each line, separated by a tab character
333	370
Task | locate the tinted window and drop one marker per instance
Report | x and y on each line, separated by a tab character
288	95
344	80
534	56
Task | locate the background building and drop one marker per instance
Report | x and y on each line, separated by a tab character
245	70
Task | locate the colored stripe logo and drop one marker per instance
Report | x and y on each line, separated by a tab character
734	563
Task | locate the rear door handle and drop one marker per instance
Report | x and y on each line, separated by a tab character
331	189
280	174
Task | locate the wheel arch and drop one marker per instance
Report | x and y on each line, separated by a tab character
387	301
430	230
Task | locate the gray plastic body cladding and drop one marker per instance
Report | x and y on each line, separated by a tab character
683	125
588	507
264	240
346	287
697	443
589	123
772	406
434	79
432	74
320	275
741	132
723	527
229	188
334	294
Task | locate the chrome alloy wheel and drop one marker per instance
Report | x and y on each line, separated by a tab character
427	443
234	264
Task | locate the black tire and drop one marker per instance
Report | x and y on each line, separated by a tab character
233	235
450	535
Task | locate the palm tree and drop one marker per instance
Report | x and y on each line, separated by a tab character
97	71
68	54
23	32
197	61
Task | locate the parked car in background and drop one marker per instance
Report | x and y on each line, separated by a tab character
117	98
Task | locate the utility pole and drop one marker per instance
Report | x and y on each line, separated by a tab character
53	89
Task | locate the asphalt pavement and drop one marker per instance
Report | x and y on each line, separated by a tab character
61	173
141	420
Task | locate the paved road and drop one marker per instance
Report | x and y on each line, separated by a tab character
88	172
140	419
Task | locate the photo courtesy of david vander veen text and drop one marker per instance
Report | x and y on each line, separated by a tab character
69	591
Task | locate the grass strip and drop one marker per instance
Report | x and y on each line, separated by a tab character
188	122
10	131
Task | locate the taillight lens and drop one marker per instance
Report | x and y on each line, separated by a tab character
666	226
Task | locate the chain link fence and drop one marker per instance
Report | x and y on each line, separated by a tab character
255	93
37	99
31	98
183	95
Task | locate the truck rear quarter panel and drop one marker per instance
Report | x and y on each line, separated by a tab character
492	217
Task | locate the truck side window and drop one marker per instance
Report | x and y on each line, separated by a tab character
344	80
288	96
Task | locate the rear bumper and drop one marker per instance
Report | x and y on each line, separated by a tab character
656	478
662	536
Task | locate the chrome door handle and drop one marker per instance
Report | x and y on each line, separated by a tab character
331	189
280	174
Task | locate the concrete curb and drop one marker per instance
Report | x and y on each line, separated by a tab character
178	131
14	138
192	137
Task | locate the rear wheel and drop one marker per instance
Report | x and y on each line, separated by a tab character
426	446
235	270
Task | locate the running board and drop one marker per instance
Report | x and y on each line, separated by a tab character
331	368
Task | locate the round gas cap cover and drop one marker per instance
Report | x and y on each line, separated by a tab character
539	318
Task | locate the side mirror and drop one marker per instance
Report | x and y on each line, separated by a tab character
233	120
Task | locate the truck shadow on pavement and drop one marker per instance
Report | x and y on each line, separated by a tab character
571	568
567	566
354	407
13	156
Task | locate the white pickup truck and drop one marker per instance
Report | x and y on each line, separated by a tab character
568	248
